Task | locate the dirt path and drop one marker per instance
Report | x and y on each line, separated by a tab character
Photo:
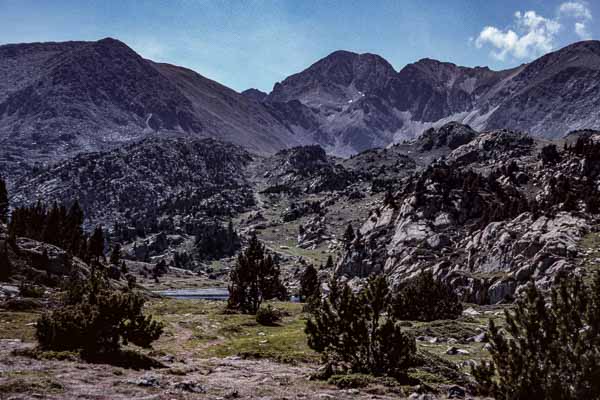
229	378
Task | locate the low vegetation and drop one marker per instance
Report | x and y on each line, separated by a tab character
357	331
425	298
549	351
97	320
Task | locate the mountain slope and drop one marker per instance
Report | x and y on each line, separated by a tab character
58	99
353	102
138	184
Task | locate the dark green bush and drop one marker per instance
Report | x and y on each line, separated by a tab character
547	350
97	319
254	278
268	316
425	298
356	331
27	290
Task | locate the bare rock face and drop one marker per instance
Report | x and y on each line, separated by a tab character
451	135
493	146
487	223
254	94
61	99
313	232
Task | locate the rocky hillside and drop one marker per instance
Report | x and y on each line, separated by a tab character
158	182
500	210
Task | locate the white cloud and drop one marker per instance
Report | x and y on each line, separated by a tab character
531	34
575	9
582	31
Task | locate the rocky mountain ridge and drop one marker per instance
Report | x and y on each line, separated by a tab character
357	101
61	99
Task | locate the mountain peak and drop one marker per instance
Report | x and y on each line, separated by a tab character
254	94
336	78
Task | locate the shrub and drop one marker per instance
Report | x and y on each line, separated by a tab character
27	290
97	320
268	316
354	331
549	155
350	381
425	298
549	352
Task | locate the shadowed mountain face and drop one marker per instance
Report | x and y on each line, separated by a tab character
60	99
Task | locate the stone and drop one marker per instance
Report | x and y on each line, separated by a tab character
453	351
456	392
147	381
189	386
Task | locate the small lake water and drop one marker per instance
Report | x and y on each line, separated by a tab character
215	293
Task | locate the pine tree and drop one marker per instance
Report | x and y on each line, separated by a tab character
349	235
3	202
309	284
5	264
547	351
96	244
329	264
358	331
115	255
254	278
97	319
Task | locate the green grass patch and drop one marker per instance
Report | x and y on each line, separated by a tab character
18	325
20	385
285	342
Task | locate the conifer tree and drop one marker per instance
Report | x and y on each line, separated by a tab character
96	244
329	264
115	255
5	265
547	351
97	319
359	332
309	284
349	235
3	202
425	298
254	278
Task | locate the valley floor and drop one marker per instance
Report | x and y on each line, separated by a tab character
208	354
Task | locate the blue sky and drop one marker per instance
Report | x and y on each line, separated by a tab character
256	43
